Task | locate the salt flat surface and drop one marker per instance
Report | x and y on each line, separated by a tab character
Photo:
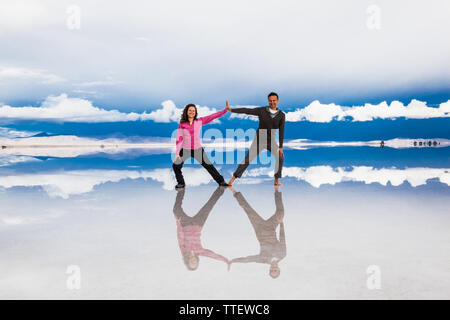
117	226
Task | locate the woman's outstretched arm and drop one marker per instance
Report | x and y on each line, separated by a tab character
211	117
212	254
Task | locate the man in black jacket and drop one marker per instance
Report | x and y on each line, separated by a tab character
270	119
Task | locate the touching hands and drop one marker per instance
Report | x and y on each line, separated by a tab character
228	106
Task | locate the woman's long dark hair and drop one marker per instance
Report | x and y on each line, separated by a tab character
184	116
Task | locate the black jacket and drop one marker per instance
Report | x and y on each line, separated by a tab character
266	121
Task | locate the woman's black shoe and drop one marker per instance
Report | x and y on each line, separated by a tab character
180	186
224	184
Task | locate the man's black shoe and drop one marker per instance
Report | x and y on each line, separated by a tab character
180	186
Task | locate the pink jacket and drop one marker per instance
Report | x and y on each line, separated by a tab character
189	240
188	136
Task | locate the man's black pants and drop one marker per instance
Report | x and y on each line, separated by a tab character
258	145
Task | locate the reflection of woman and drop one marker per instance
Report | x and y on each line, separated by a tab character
272	250
189	230
188	144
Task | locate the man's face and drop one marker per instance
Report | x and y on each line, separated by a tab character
273	102
274	272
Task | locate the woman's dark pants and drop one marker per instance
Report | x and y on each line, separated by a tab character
199	155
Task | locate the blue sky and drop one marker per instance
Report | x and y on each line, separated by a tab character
136	55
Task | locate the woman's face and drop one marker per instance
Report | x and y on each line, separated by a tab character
193	261
191	112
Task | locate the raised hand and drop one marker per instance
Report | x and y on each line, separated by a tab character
228	106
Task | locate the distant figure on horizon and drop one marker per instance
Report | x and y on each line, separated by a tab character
189	230
188	144
272	249
270	119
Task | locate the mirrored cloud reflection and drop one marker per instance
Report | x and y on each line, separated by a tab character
320	175
67	183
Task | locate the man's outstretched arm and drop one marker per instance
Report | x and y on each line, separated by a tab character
251	111
255	258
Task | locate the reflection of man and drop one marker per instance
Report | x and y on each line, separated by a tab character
272	250
270	119
189	230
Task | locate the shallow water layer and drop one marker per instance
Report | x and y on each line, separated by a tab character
353	222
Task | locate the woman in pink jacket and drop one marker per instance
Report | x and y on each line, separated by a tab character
188	144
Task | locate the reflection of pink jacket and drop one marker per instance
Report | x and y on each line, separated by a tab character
189	240
188	136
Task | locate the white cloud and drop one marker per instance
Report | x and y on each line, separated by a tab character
67	183
9	160
319	112
316	112
193	177
12	133
24	74
170	112
64	108
319	175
